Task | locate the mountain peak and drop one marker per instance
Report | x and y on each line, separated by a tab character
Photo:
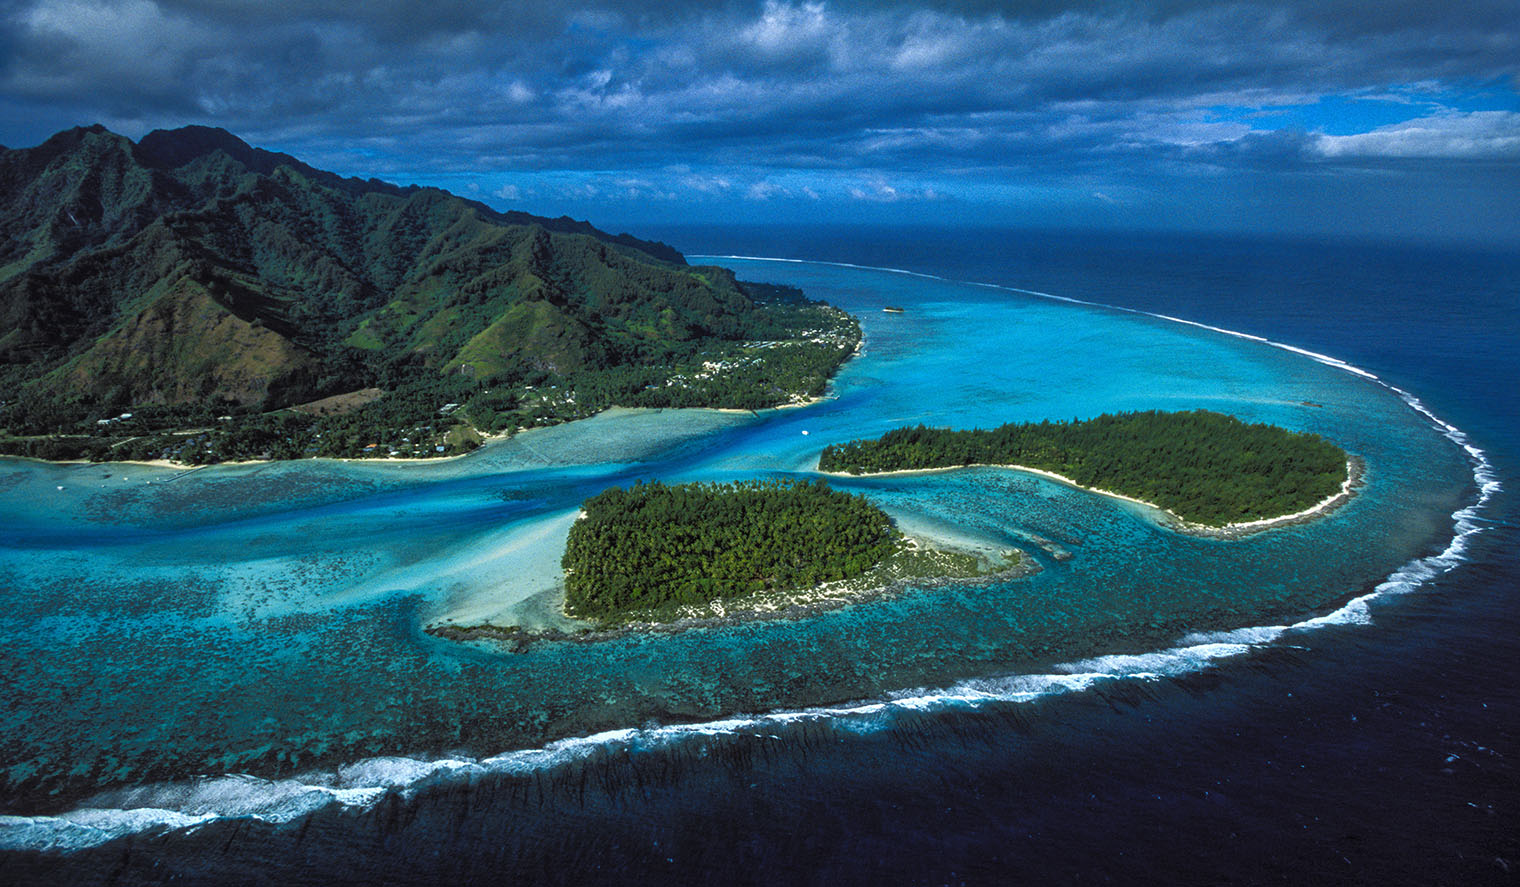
91	139
69	139
173	148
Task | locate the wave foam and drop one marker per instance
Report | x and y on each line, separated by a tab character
360	785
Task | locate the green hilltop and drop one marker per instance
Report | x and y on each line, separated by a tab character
203	285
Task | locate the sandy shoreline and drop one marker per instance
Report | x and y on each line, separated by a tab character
485	440
763	606
1355	469
180	466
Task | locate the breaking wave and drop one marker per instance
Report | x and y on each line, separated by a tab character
190	804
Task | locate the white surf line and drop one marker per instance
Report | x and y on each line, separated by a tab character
902	271
1410	576
359	786
191	804
1483	470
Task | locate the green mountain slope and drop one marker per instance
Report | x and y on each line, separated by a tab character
191	271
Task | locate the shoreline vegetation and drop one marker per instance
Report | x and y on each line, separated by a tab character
659	558
1355	478
789	372
665	558
1212	473
657	547
916	564
227	304
485	440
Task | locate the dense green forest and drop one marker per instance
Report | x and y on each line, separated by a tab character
656	546
1205	467
192	297
440	414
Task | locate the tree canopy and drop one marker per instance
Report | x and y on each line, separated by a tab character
654	545
213	290
1203	466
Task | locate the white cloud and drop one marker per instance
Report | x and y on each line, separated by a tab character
705	184
520	92
1476	135
783	27
877	189
780	101
80	43
762	191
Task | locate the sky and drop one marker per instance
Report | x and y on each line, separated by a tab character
1394	118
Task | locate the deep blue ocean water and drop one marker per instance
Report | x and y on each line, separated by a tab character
1136	714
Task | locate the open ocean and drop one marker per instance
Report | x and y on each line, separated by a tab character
220	677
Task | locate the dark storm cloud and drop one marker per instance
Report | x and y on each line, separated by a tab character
762	96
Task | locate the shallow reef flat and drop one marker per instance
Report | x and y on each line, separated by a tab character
138	611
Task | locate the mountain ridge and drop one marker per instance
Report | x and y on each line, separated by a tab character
191	268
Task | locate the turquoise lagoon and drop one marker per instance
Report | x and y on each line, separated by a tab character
164	629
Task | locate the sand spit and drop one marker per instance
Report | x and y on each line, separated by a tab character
1355	473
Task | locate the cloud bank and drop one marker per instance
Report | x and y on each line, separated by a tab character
1075	110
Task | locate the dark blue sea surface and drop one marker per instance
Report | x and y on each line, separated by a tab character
220	677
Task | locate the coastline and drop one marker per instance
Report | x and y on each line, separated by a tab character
763	606
146	463
180	466
789	405
1188	694
485	440
1355	471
